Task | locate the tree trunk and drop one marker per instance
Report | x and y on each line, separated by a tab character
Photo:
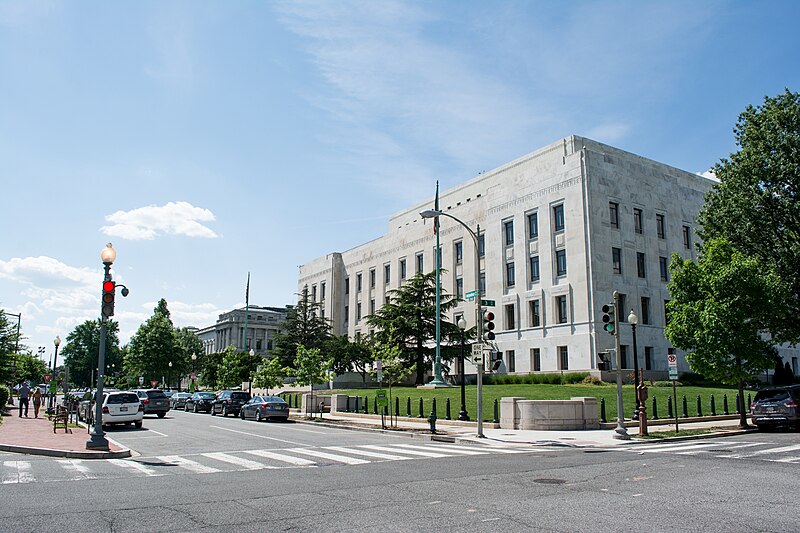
420	365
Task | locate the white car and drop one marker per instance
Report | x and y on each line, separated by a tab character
122	408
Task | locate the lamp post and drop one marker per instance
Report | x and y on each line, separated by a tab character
462	414
633	320
194	360
249	376
169	376
56	343
431	213
97	439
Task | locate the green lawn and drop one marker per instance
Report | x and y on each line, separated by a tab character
548	392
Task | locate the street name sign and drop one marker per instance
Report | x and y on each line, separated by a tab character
488	303
471	295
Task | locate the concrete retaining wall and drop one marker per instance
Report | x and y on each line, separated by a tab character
573	414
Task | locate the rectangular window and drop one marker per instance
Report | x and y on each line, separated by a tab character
563	358
510	280
458	251
321	314
387	273
511	360
358	311
402	269
622	307
313	293
420	263
534	268
481	245
661	229
662	266
536	359
346	314
358	282
508	232
482	283
616	260
322	291
613	214
460	288
648	358
640	265
645	310
623	356
558	217
372	278
687	238
511	322
347	285
561	262
534	313
533	225
637	221
561	309
372	306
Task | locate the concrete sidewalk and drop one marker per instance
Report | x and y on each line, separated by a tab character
35	436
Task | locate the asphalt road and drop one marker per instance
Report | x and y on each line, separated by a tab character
203	473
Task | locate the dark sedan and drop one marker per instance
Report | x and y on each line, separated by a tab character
229	402
178	400
265	408
200	401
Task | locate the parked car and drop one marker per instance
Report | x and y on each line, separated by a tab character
229	402
200	401
86	406
122	408
776	406
265	408
154	401
178	400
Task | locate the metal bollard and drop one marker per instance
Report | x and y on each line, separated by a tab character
713	407
397	406
366	405
347	409
655	409
408	406
685	408
447	409
725	404
432	417
375	407
738	404
669	407
496	419
603	410
699	406
421	415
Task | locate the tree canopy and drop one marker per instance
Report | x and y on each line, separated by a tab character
303	326
8	343
153	346
756	204
82	349
350	356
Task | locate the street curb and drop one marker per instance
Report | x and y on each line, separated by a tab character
52	452
727	433
409	434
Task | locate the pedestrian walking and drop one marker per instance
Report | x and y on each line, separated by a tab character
24	393
37	401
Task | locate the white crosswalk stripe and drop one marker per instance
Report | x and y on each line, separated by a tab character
134	465
297	461
365	453
18	472
410	452
188	464
745	450
247	464
331	456
77	467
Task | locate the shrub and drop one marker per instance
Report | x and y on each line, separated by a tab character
5	394
666	384
574	377
591	380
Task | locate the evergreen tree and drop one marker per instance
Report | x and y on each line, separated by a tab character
303	326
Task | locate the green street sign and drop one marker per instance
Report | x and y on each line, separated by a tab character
471	295
488	303
381	398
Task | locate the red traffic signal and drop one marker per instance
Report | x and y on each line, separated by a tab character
108	299
488	325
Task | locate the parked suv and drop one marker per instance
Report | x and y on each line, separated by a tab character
154	401
229	402
122	408
777	406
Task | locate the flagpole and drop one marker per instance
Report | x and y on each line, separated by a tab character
437	380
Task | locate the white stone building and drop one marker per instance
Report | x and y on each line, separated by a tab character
561	229
263	324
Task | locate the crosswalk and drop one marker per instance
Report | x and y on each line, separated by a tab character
764	451
26	471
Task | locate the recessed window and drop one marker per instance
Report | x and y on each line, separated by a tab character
687	238
534	313
641	265
623	356
533	263
558	217
563	358
561	262
358	311
511	317
536	359
402	269
511	360
533	225
613	214
387	273
322	290
664	268
666	313
460	288
622	304
358	282
648	357
420	263
372	306
645	310
616	260
347	285
637	221
508	232
458	251
510	280
562	317
372	278
346	314
661	229
313	293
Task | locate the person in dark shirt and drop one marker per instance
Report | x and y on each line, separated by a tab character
24	394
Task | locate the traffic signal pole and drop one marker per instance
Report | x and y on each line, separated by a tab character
620	432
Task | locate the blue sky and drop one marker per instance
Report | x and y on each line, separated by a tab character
209	139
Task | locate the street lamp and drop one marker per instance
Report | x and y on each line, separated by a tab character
462	414
432	213
56	342
633	320
169	376
249	372
194	360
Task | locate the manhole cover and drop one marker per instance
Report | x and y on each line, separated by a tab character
550	481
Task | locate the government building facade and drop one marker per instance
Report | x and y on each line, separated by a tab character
560	230
263	325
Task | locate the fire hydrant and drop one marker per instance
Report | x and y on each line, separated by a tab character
641	392
432	417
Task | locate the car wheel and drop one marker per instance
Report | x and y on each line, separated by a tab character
258	415
213	411
241	414
162	414
138	424
224	411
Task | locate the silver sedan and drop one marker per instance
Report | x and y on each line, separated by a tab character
265	408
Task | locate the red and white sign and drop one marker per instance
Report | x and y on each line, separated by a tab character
672	360
46	378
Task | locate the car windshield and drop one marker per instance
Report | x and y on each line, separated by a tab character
122	398
776	395
205	395
156	394
273	399
240	396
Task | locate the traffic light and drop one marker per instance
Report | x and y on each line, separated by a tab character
108	299
488	325
602	361
608	318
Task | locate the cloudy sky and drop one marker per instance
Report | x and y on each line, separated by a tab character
208	139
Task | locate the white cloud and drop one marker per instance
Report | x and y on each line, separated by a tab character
44	270
708	174
174	218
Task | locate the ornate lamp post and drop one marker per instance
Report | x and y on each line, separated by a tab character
462	414
194	360
633	320
169	376
249	375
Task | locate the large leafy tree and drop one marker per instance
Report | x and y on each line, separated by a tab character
350	356
82	349
311	367
756	204
8	343
208	365
30	368
187	343
153	346
270	374
719	310
409	320
303	326
236	367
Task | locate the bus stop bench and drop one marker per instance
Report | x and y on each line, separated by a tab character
61	419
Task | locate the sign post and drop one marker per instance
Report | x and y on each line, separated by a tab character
672	364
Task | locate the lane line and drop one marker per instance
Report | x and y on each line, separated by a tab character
188	464
259	436
77	466
127	463
331	457
238	461
297	461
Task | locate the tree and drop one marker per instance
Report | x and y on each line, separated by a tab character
719	310
8	343
82	349
153	346
209	366
311	367
30	368
236	367
270	374
188	343
756	204
393	369
303	326
411	317
348	356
